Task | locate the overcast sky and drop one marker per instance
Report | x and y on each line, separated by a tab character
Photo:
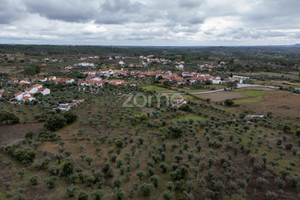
150	22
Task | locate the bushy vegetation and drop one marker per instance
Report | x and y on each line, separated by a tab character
102	150
32	69
8	117
58	121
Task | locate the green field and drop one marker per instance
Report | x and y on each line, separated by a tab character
252	92
191	91
195	118
292	76
248	100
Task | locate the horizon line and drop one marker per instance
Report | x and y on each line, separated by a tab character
43	44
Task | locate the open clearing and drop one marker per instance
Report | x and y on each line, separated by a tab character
15	133
284	105
221	96
244	95
10	69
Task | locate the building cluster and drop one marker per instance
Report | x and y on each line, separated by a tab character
89	57
84	64
150	59
51	60
68	106
194	77
144	61
184	77
238	79
28	94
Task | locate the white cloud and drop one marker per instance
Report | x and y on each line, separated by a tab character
137	22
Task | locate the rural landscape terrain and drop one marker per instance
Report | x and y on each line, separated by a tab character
157	123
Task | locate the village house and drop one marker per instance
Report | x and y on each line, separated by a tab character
14	81
69	67
85	64
52	78
22	97
186	74
83	58
83	83
121	62
239	79
106	72
44	91
180	67
117	73
116	82
31	90
193	80
178	79
96	83
18	96
40	79
249	117
24	81
64	80
216	80
90	73
64	107
68	106
27	97
96	79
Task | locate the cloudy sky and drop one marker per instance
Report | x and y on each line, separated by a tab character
150	22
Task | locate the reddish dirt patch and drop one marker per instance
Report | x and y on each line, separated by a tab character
221	96
15	133
10	69
282	105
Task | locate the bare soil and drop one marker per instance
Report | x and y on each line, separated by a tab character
221	96
282	105
15	133
10	69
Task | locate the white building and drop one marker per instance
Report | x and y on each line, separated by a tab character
31	90
240	79
19	96
64	106
27	97
216	80
52	78
85	64
69	80
44	91
96	79
25	81
180	67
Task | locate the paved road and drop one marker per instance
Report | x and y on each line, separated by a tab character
220	90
